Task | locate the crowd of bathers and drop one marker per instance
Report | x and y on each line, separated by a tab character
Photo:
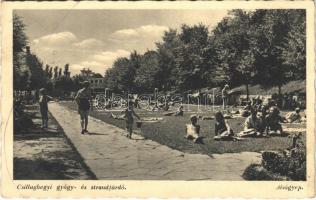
261	121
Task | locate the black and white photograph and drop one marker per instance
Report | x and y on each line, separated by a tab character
160	94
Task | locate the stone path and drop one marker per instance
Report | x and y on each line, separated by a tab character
110	155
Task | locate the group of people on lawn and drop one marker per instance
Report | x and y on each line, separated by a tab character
255	125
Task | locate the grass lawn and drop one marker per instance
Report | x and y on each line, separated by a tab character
171	132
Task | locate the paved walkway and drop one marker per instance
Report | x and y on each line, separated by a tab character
45	154
110	155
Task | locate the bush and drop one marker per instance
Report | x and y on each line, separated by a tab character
22	120
258	172
280	165
297	164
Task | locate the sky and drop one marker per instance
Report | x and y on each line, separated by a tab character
95	38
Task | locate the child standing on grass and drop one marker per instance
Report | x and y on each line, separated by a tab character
129	120
43	100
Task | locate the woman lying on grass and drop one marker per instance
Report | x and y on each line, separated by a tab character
294	117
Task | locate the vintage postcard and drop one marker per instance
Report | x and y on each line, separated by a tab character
158	99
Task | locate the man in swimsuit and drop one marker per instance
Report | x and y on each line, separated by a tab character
83	99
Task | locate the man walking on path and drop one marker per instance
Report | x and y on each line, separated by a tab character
83	99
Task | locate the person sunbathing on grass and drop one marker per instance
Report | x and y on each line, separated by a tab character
253	126
293	116
179	111
222	129
273	120
119	117
193	129
246	111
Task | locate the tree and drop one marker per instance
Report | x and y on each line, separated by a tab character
120	77
246	47
294	49
64	85
21	82
231	41
50	73
60	72
242	32
46	70
97	75
37	75
246	67
166	59
190	57
20	39
77	80
55	72
147	78
133	66
66	70
20	70
86	72
271	40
